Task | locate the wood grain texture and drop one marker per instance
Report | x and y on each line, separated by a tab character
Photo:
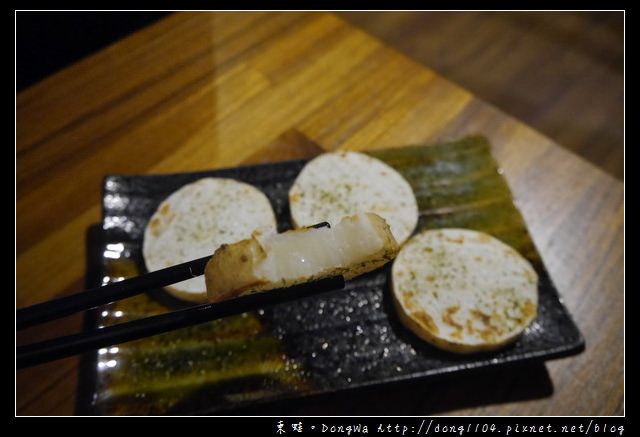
210	90
561	72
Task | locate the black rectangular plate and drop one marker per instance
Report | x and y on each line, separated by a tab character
326	343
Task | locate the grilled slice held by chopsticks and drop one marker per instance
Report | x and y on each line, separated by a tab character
355	245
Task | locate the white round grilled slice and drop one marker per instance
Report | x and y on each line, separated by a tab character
353	246
197	219
343	183
463	291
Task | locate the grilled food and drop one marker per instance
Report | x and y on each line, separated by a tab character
463	291
198	218
339	184
353	246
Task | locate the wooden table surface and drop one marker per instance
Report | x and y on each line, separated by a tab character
211	90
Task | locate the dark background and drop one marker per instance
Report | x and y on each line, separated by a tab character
49	41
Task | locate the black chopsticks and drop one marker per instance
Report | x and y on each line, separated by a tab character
62	347
55	309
